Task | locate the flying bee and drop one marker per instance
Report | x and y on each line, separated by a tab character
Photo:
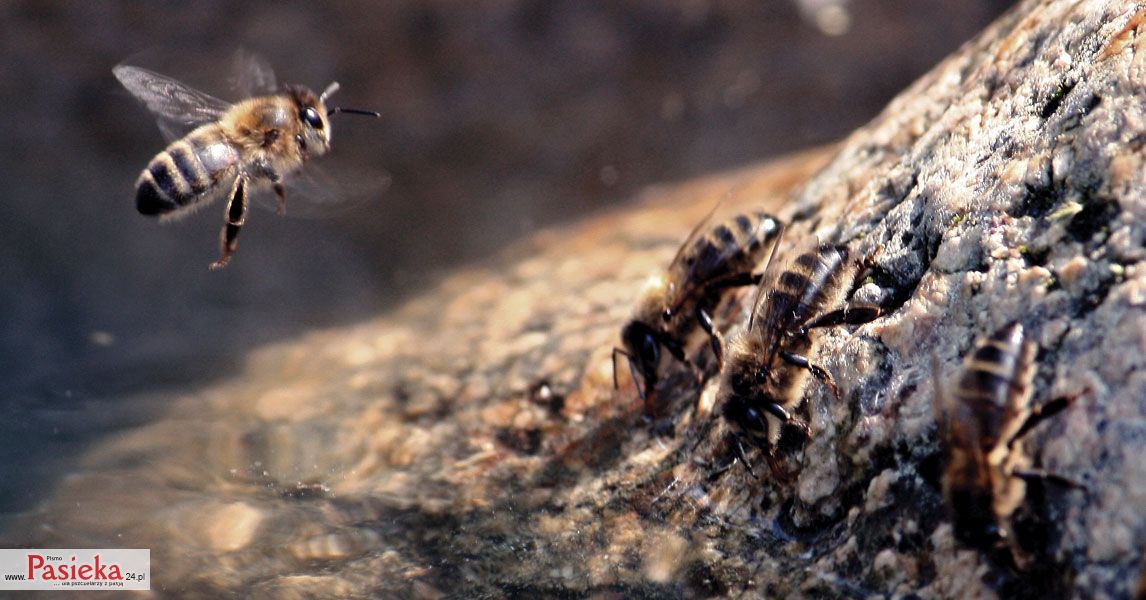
677	301
764	378
981	425
232	150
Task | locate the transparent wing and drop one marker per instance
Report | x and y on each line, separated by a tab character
703	225
172	101
252	75
762	307
172	130
316	191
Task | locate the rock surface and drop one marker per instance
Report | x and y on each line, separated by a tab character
471	442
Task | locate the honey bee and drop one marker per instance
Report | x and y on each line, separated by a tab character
232	150
677	301
763	380
982	425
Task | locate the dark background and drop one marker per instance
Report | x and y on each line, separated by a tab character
499	117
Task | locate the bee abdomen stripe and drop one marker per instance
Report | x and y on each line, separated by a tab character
996	368
782	298
793	282
161	174
983	383
150	201
189	167
745	224
725	236
808	260
992	352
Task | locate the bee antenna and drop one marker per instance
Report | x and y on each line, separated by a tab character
353	111
329	91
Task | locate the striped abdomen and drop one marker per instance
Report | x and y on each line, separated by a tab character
733	246
185	172
814	282
995	385
984	417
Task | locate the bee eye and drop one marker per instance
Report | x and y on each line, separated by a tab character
311	117
642	342
649	350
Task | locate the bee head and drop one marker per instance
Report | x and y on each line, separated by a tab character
324	112
643	346
751	421
313	136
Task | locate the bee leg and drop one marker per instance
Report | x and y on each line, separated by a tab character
743	457
867	263
779	469
1042	476
714	337
714	287
263	169
777	411
718	470
1040	414
817	371
643	391
849	315
792	434
677	352
235	216
712	292
802	428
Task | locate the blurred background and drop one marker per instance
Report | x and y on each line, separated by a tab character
499	117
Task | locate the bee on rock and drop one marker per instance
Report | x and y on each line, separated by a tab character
763	380
981	426
677	303
232	150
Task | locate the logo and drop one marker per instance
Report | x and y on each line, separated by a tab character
87	569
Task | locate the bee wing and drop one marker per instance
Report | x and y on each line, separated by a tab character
762	307
315	192
678	260
177	105
171	130
252	75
